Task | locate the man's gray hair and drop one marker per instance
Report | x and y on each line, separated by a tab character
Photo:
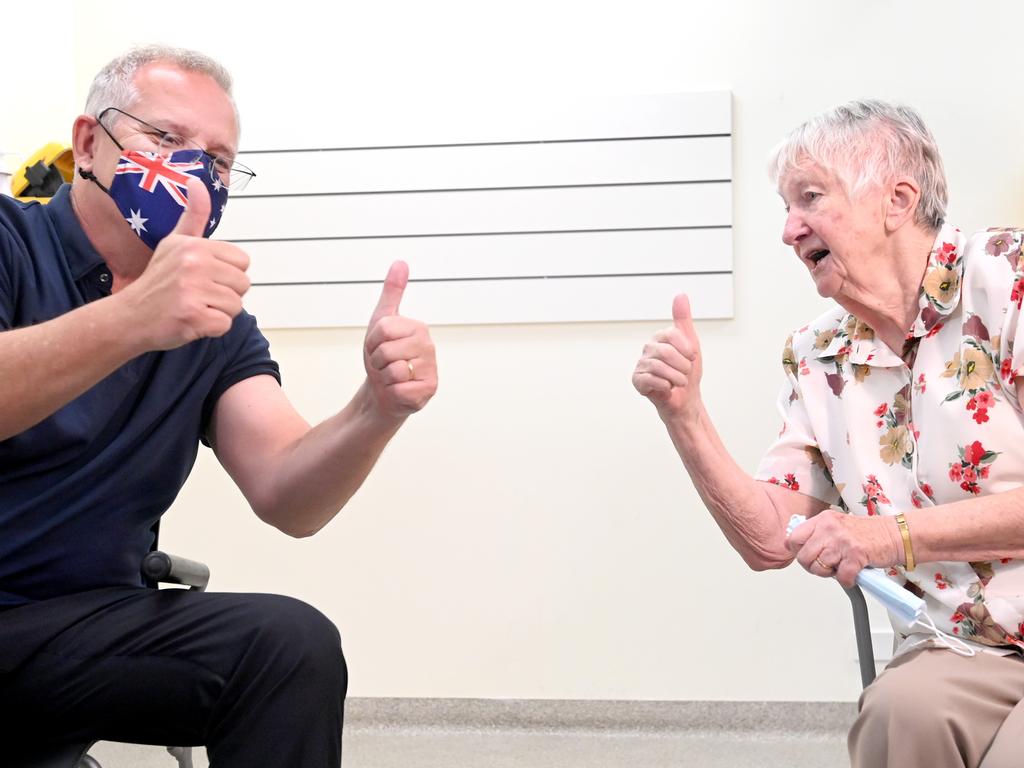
870	141
113	86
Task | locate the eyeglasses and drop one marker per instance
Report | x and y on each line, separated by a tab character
232	175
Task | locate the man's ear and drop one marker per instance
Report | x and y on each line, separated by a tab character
901	204
83	141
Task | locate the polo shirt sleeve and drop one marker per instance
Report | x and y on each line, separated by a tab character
795	461
7	280
245	353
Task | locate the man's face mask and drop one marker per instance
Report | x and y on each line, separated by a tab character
150	190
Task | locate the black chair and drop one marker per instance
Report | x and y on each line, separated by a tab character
158	568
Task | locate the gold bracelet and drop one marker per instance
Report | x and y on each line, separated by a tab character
908	550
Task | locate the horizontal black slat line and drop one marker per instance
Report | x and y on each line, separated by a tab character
492	279
474	234
592	185
364	147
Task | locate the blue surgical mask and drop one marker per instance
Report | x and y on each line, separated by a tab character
151	193
904	605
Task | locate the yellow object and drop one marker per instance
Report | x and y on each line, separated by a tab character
901	521
39	177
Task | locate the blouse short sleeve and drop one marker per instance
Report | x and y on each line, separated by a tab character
796	461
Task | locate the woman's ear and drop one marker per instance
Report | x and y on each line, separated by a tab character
901	205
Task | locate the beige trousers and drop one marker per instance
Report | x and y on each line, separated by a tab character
935	709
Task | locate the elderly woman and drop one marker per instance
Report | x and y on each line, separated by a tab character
903	435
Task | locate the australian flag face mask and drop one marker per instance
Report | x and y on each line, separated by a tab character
151	192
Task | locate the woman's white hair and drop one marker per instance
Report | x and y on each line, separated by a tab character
869	142
113	86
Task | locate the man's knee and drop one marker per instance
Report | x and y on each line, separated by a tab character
299	642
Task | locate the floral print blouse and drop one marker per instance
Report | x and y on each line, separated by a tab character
868	434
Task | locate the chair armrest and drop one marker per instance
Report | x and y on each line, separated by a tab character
171	569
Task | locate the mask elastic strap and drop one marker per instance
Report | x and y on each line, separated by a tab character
92	177
955	644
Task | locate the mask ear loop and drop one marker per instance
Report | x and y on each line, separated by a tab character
955	644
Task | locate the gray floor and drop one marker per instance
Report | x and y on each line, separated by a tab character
491	734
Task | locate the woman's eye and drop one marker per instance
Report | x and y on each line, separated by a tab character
811	196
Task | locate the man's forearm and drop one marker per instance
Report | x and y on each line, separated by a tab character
752	515
44	367
318	473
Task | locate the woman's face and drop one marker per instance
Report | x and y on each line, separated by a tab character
838	238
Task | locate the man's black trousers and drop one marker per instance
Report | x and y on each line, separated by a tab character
260	680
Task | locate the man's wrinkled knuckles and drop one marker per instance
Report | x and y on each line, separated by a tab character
663	370
395	372
428	349
231	254
398	327
382	356
384	329
193	261
412	346
237	281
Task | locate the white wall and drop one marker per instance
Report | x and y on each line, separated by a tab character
532	534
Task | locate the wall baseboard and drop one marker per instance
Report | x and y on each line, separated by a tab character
540	715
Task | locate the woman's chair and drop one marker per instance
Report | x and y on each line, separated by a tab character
862	631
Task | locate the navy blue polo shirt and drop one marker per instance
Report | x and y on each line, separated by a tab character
81	491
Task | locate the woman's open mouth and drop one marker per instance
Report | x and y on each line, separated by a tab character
817	256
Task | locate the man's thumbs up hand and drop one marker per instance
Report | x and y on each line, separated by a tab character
401	368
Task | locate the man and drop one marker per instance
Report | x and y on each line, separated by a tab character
123	344
902	408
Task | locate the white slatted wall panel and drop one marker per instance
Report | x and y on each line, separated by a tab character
590	210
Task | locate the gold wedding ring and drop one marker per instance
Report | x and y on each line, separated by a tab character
830	568
412	371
